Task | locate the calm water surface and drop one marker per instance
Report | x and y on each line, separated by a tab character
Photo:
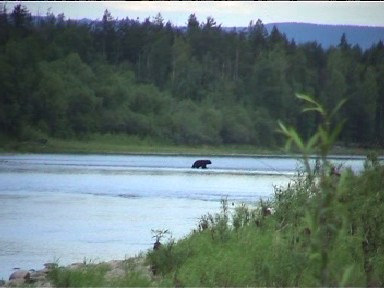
70	208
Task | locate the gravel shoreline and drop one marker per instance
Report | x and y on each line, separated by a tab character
116	269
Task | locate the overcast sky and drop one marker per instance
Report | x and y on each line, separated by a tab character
226	13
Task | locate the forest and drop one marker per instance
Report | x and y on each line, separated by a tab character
193	85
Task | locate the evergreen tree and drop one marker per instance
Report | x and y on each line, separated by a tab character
21	21
198	85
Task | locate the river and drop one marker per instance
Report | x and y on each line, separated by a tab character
68	208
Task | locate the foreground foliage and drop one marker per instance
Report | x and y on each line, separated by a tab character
127	273
306	242
327	229
323	229
302	243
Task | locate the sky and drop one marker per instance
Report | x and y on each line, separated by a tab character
226	13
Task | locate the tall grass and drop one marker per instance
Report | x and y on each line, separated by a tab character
123	143
327	229
129	273
285	249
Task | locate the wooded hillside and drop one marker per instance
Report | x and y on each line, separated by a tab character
63	78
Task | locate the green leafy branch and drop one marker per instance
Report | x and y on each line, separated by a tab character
322	141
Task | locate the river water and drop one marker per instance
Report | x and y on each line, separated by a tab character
74	208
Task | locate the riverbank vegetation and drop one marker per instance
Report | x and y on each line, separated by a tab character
188	86
319	233
150	82
325	234
325	228
126	144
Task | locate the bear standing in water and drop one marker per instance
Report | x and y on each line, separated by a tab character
201	163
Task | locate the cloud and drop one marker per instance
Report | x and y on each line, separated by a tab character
176	6
223	12
227	13
241	12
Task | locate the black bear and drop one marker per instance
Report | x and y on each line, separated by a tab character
201	163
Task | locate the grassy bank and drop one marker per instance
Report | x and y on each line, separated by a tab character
327	231
132	272
323	229
123	144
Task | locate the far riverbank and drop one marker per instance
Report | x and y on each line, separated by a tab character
123	144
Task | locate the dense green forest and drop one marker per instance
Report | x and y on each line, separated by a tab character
194	85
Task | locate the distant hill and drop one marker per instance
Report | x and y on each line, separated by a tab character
330	35
326	35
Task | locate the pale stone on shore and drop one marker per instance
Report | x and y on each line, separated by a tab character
76	266
115	273
50	266
115	264
38	276
20	274
19	277
31	277
118	269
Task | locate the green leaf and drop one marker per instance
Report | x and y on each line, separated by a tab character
312	141
316	105
335	133
307	98
293	137
288	145
337	108
347	275
283	129
313	109
323	135
296	139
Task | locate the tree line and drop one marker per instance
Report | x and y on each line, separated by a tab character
192	85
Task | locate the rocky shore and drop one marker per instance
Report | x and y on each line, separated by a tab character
23	277
115	269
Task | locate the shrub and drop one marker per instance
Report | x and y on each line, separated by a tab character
327	230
